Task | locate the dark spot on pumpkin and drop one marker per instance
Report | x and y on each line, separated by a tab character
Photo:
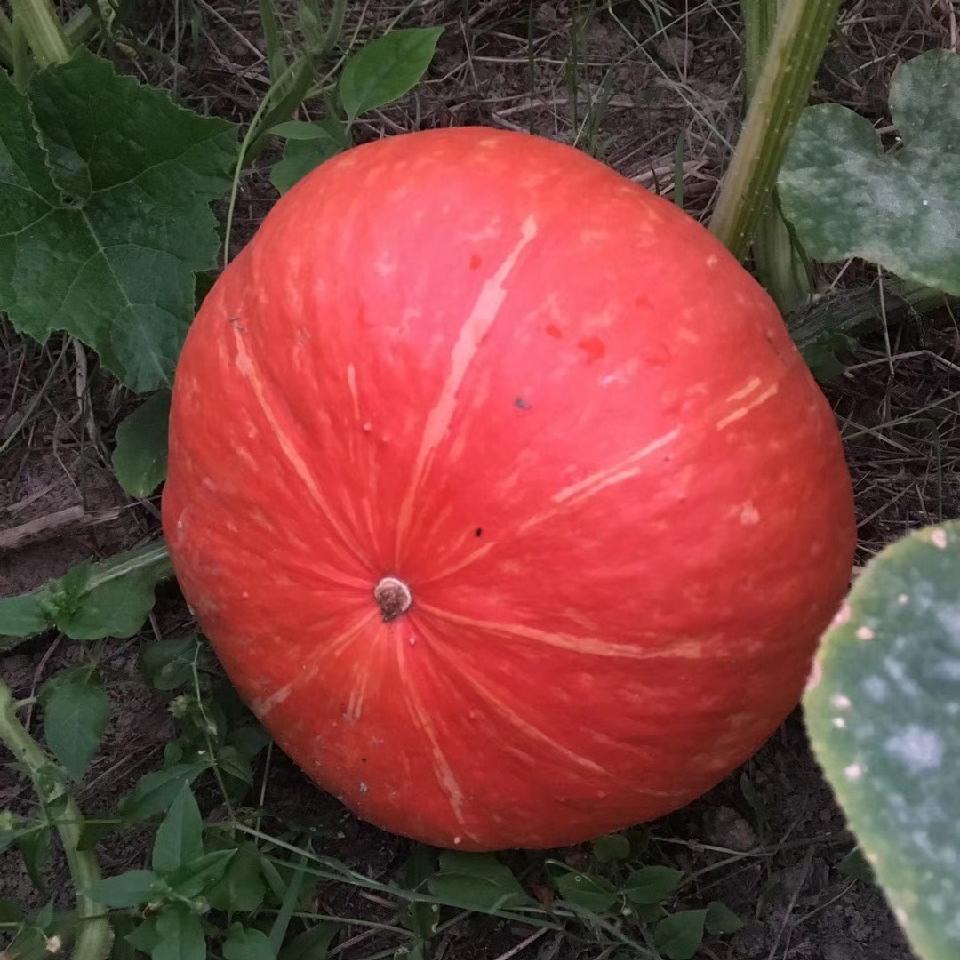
236	324
475	261
593	347
554	331
521	404
478	532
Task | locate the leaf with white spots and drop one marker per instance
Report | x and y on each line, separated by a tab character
882	711
845	197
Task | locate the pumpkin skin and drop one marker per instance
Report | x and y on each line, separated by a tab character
558	411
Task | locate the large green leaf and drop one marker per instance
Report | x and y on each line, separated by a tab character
882	710
386	68
901	209
105	188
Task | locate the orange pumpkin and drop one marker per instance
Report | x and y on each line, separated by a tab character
502	493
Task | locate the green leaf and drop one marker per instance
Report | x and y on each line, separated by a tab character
140	457
111	598
291	895
302	130
476	881
74	718
34	847
271	33
91	832
155	792
22	617
242	888
901	209
421	918
721	919
168	664
128	889
180	935
248	740
613	846
882	713
312	944
386	68
647	912
303	153
90	601
145	937
590	893
678	937
179	837
245	943
233	765
651	885
194	877
105	188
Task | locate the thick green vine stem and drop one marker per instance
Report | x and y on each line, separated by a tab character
94	935
43	31
778	262
782	90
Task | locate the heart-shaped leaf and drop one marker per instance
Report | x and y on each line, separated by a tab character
901	209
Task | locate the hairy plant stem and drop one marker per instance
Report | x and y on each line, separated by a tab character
43	31
779	263
781	92
94	935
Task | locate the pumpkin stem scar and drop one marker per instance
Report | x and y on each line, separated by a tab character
393	597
